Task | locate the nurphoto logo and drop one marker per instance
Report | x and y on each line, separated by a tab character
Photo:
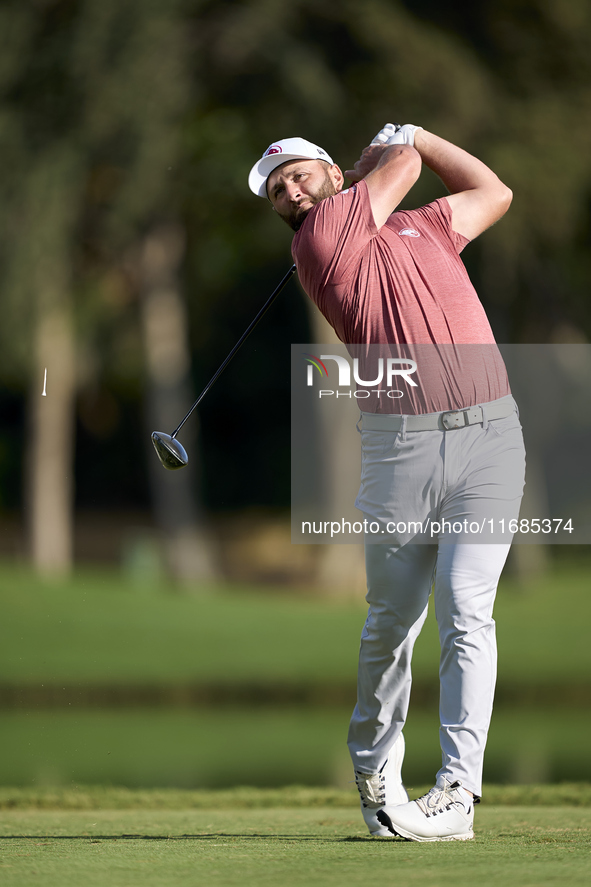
387	370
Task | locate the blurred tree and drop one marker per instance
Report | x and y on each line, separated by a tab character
132	58
93	98
40	212
49	217
168	398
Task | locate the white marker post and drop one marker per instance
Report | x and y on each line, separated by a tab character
44	392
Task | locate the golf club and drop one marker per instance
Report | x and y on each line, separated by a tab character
170	452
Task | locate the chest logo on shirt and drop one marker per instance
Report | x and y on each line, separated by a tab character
408	232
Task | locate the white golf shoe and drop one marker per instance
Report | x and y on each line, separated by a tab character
446	813
382	789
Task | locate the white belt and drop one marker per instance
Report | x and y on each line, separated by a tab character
445	421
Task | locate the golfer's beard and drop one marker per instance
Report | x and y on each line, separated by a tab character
295	217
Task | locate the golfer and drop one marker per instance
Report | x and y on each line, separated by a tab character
450	457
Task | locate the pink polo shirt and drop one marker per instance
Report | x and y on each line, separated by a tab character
403	284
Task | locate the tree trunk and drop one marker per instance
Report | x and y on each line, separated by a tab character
46	274
51	445
341	568
188	549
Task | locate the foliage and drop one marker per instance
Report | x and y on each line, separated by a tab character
90	105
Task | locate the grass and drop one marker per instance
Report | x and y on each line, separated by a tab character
101	628
100	797
292	845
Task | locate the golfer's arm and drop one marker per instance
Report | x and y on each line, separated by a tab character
477	197
396	172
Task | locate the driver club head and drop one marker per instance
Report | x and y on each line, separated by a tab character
170	452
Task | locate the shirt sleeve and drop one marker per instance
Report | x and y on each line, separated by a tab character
438	215
327	247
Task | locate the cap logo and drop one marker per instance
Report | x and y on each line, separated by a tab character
273	149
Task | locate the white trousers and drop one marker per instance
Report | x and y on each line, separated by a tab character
474	473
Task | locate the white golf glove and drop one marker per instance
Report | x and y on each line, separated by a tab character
386	133
393	134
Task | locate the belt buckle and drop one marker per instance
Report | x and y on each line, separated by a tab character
453	419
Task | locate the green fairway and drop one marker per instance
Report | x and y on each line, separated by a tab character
100	628
291	847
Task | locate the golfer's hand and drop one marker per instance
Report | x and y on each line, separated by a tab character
385	134
404	136
370	157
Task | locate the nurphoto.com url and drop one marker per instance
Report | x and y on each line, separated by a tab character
433	529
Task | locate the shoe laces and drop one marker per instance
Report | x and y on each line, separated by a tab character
372	788
440	798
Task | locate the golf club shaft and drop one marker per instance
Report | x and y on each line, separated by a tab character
240	341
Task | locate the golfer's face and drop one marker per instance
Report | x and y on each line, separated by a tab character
297	186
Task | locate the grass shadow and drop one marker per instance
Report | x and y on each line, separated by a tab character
197	837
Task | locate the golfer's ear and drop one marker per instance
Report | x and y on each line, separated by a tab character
337	176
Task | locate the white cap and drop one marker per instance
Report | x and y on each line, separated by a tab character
278	153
